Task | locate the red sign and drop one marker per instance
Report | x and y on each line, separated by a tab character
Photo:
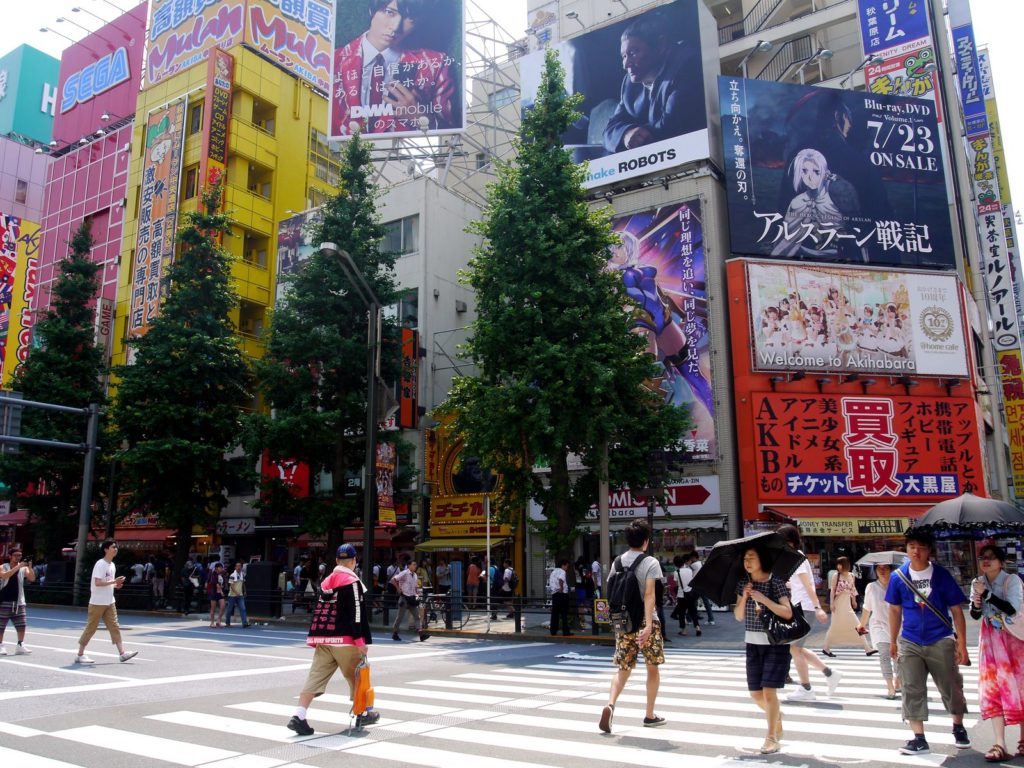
409	383
293	474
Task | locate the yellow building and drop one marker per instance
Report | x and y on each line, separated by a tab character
278	162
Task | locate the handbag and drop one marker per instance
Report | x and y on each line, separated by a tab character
194	579
362	696
781	631
1014	624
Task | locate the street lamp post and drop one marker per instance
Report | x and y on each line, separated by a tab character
373	310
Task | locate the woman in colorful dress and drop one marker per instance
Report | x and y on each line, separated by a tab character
842	630
996	595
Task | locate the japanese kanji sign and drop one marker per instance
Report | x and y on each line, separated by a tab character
885	24
859	447
965	51
182	32
822	174
1011	370
297	35
216	118
386	463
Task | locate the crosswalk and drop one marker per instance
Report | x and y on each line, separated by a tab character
540	714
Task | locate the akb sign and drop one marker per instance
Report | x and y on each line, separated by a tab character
94	79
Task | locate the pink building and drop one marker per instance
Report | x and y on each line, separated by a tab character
100	78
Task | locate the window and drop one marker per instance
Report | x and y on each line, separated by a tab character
401	236
195	118
501	97
481	160
21	191
191	182
326	158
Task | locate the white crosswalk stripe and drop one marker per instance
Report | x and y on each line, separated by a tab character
544	714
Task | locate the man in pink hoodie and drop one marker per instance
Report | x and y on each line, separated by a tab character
340	633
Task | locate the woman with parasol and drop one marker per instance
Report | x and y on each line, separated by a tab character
874	622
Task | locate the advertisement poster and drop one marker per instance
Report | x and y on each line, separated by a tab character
825	319
395	74
845	447
216	118
643	91
297	35
386	463
295	245
905	72
887	23
19	278
660	257
1011	373
158	212
827	175
181	34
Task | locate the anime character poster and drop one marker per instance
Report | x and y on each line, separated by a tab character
660	257
821	174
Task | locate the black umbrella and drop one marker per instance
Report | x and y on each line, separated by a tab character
723	569
971	516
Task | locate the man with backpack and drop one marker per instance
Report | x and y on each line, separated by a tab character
509	582
632	582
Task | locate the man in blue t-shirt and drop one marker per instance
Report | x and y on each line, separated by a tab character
927	643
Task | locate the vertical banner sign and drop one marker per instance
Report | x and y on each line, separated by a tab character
19	241
409	396
386	462
886	24
158	211
216	118
10	232
660	258
898	32
297	35
965	51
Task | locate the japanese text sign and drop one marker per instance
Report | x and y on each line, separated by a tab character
216	117
1011	370
827	175
19	278
296	35
182	32
463	515
386	462
965	53
844	447
409	380
888	23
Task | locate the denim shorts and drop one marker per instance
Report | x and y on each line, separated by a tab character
767	666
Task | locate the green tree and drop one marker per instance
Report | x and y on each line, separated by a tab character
314	372
178	407
559	371
65	369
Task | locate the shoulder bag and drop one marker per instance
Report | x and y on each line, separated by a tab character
942	617
781	631
1013	623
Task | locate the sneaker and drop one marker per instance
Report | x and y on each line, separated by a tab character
960	738
83	659
424	636
369	717
21	650
711	622
832	681
653	722
128	655
916	746
3	651
801	694
395	637
605	724
300	726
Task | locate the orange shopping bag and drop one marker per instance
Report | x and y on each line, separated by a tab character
362	697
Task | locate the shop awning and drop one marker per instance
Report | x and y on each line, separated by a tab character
468	544
848	510
138	534
18	517
848	520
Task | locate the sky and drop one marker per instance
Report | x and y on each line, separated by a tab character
996	23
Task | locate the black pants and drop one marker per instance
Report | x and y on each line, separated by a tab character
560	609
688	610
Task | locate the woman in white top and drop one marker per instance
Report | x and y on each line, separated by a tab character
875	617
843	628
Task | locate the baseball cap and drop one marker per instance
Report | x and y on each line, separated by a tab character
346	552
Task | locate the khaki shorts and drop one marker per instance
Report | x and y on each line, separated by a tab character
627	648
328	659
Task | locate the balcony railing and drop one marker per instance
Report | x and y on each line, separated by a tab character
792	51
751	23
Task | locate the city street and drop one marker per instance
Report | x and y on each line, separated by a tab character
198	696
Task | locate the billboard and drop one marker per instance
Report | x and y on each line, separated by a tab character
904	72
397	75
181	34
830	319
661	260
888	23
28	94
295	245
843	447
297	35
645	98
158	211
829	175
19	278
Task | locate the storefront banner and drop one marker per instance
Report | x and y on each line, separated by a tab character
829	447
181	34
158	212
463	515
213	163
19	280
297	35
660	257
835	320
1011	376
887	23
904	72
965	52
829	175
409	381
292	473
385	464
687	497
837	527
416	89
295	245
999	273
626	128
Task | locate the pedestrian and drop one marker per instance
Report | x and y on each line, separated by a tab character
13	575
767	664
686	598
803	593
995	595
874	620
159	584
443	582
559	588
925	641
340	634
215	591
695	565
190	574
508	579
595	571
842	630
646	637
391	595
102	584
138	571
236	595
406	585
472	581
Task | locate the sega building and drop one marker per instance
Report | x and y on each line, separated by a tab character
87	178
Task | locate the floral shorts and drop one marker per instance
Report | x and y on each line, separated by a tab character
627	648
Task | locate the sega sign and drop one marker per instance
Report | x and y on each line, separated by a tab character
94	79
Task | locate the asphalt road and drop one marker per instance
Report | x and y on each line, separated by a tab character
198	696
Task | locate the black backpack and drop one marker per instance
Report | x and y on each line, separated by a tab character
513	580
625	600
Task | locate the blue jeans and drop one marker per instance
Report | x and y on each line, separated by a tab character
232	603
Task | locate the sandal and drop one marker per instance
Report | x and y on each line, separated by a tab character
771	746
828	653
997	754
1020	748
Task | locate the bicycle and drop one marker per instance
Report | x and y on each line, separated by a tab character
438	609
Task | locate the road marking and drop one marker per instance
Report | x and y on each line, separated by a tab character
403	754
13	729
76	670
138	744
27	760
251	728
